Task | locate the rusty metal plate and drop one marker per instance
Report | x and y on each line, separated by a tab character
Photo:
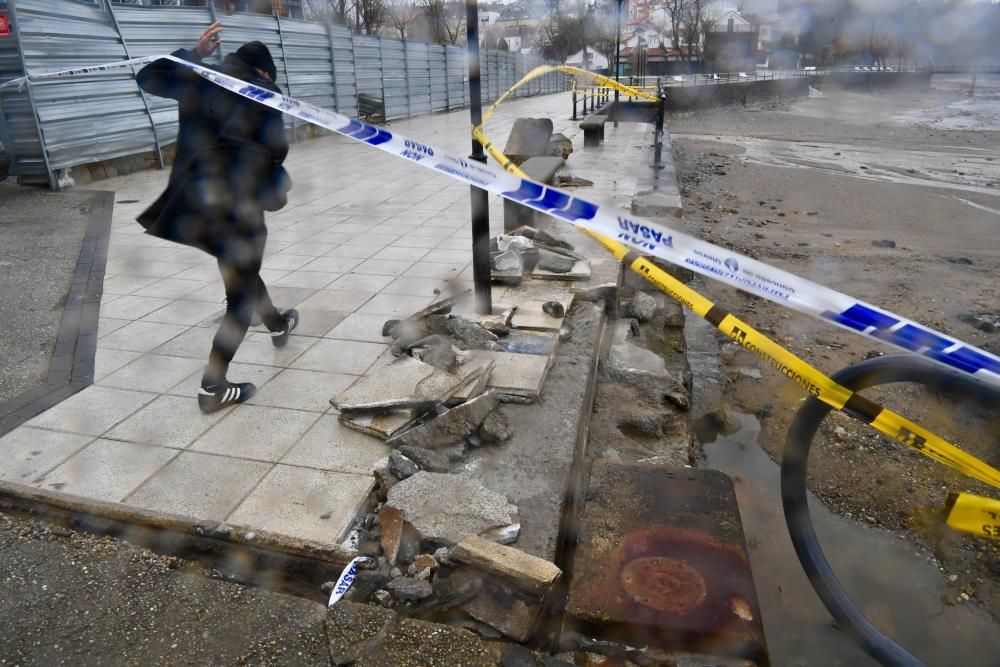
661	561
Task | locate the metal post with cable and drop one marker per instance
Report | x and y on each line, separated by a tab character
480	201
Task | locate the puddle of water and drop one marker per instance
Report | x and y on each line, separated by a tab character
897	587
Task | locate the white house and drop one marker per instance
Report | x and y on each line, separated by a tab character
595	60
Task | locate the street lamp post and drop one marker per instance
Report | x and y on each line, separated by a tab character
618	50
480	200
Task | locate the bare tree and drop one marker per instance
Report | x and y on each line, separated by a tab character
676	11
694	23
445	21
337	11
371	15
401	15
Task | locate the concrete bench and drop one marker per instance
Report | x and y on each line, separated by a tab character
540	170
593	129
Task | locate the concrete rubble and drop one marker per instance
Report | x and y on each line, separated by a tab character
545	256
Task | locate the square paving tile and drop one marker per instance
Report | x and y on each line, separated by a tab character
195	342
135	266
132	307
301	390
212	292
517	373
184	312
169	421
28	453
336	300
285	297
449	256
171	288
309	279
411	254
330	446
122	284
308	504
383	267
415	242
201	486
256	432
354	251
310	249
340	356
414	286
359	326
152	372
360	282
434	270
141	336
106	325
287	261
332	264
108	361
92	411
316	322
393	305
257	348
205	272
107	470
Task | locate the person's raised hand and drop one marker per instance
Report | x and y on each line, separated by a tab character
209	40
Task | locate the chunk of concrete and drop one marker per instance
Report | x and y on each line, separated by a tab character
642	307
557	263
406	383
401	466
559	146
529	137
540	170
445	509
400	542
471	333
427	459
453	426
410	589
382	425
476	373
530	314
514	587
505	262
517	374
495	428
581	271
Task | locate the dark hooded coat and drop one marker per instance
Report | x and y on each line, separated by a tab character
228	162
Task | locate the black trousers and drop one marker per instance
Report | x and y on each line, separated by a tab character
245	294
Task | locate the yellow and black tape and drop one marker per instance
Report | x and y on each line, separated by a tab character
965	512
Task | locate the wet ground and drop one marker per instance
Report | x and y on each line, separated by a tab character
808	188
897	586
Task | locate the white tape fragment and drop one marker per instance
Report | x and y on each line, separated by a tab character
345	580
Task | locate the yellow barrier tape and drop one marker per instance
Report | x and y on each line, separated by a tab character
813	381
973	514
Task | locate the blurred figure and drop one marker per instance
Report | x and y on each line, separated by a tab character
227	172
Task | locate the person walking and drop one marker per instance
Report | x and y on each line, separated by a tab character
227	172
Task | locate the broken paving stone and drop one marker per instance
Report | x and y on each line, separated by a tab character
422	567
520	375
445	509
410	589
529	342
471	333
384	425
529	137
400	466
426	459
453	426
383	597
495	428
642	307
514	586
439	354
406	383
400	542
554	262
477	374
553	308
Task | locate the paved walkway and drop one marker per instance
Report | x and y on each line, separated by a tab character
365	237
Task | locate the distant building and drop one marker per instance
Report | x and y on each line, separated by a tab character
596	61
732	43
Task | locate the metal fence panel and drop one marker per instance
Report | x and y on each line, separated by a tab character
438	72
18	128
307	56
83	119
342	44
458	80
418	77
394	84
368	68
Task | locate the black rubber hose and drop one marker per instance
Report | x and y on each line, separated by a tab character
794	460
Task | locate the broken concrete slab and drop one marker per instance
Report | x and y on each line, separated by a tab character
528	137
495	428
514	585
445	509
400	542
517	374
471	333
554	262
426	459
559	146
662	562
476	373
529	342
539	169
530	314
453	426
580	271
409	589
527	572
630	362
382	425
401	466
642	307
405	383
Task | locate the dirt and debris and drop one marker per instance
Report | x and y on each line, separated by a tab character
778	167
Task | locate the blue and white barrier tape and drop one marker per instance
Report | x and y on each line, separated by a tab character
648	238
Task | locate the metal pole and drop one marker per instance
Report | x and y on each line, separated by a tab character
658	152
618	51
480	202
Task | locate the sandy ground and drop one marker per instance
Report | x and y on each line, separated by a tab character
807	188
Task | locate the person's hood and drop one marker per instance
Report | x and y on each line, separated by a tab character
245	61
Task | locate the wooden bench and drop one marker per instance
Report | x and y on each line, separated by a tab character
593	129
